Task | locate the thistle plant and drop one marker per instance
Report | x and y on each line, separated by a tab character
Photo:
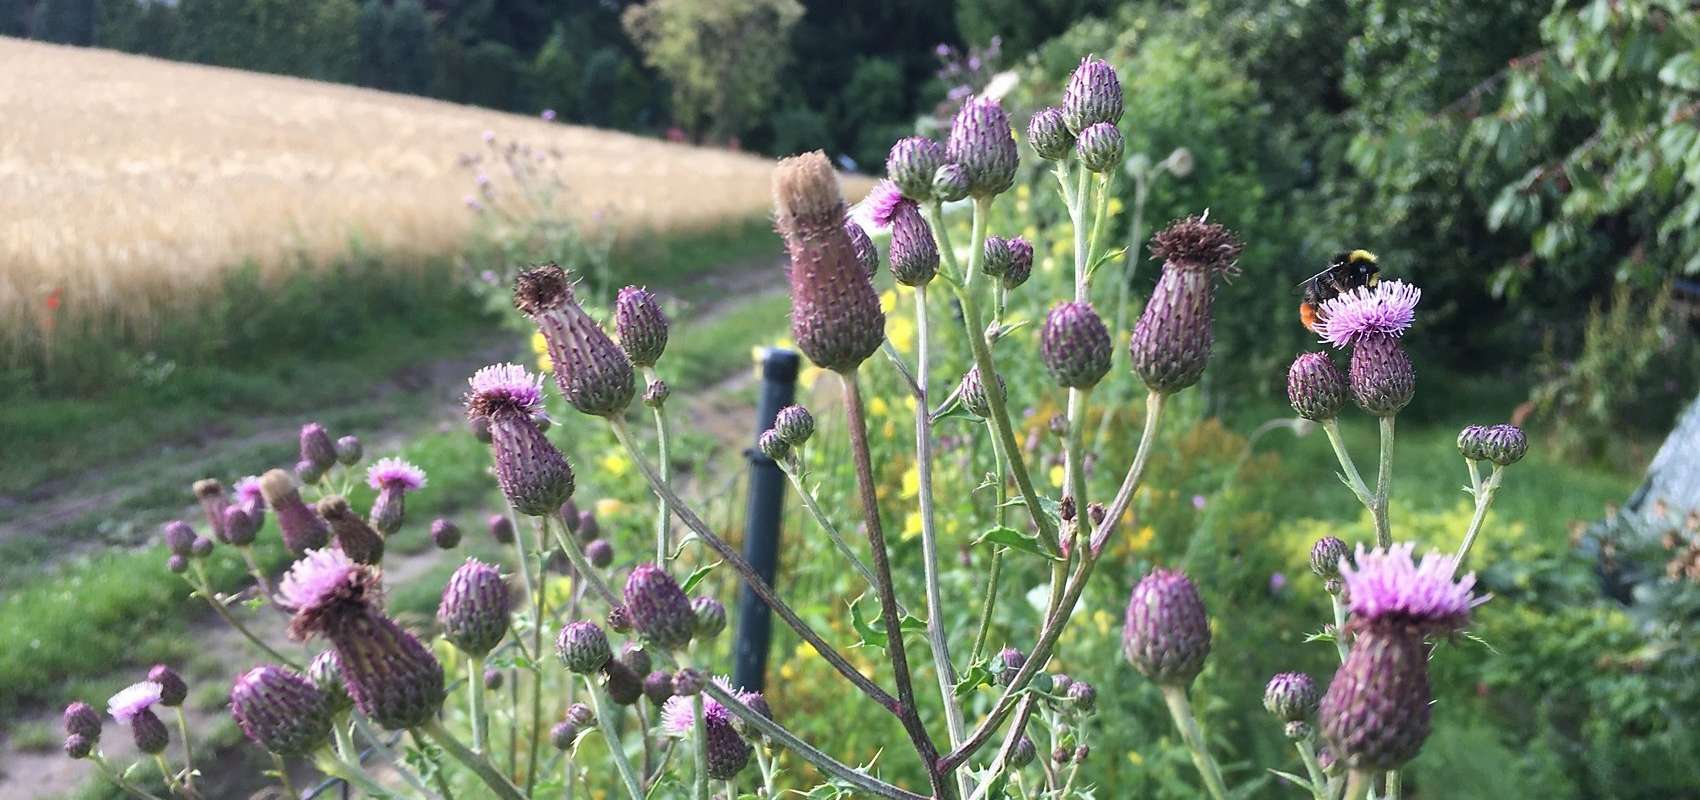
634	640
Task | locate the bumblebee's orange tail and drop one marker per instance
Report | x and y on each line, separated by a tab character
1307	316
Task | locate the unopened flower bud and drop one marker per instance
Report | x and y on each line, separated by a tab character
179	537
1093	96
1095	513
1100	147
581	714
1061	755
658	687
493	678
914	252
1083	696
588	528
656	393
911	165
302	529
239	526
359	540
1020	263
997	256
659	609
1470	441
950	183
80	719
981	142
172	690
563	734
1081	752
177	564
711	617
1166	633
1023	753
326	674
317	448
583	647
280	710
474	611
1075	346
1012	660
619	619
1291	696
1325	557
794	424
599	552
445	534
641	325
623	684
1504	445
349	450
78	746
501	528
201	547
866	253
1049	135
972	392
688	682
773	446
1315	387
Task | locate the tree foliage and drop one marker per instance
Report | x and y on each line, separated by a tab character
722	58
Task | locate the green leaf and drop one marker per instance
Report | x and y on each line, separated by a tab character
977	676
696	577
1014	540
1320	636
871	636
1302	783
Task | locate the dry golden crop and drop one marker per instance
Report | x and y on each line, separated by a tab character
127	184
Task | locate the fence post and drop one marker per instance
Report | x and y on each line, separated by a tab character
761	523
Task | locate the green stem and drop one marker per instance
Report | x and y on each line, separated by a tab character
383	751
351	773
665	467
188	749
575	554
1181	710
259	575
346	750
1124	286
282	775
943	668
1394	785
166	772
523	563
1384	485
699	748
475	702
1341	646
204	587
611	735
1313	768
1349	467
1358	785
1077	220
480	767
1484	498
935	220
990	602
541	607
827	525
118	780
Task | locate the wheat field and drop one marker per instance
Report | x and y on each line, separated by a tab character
129	183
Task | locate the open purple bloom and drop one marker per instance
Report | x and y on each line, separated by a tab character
394	473
533	473
882	203
506	386
1389	587
134	699
1386	309
248	492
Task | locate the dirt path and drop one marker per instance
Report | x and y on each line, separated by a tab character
721	411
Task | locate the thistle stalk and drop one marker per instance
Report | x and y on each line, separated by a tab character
540	605
1484	498
581	564
498	784
118	779
989	603
203	587
827	525
1313	768
808	752
664	463
1341	646
1181	710
1384	484
188	749
611	735
475	702
1354	480
908	710
1124	283
699	749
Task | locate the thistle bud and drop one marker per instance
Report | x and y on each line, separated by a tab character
501	528
1020	263
1075	346
711	617
581	715
591	371
1504	445
349	450
641	325
81	719
532	472
1171	342
688	682
972	391
1470	441
1061	755
308	472
656	393
1100	147
619	619
583	647
445	534
1315	387
78	746
1081	752
1049	135
475	606
302	529
1325	557
179	537
866	253
326	674
1083	696
588	529
393	678
1023	753
1166	634
794	424
1382	378
1095	513
911	165
997	256
950	183
239	526
835	313
1376	713
981	142
172	690
1291	696
623	684
210	494
150	733
1061	682
914	253
563	735
317	448
280	710
728	753
177	564
658	687
773	446
1012	660
600	553
659	609
1093	96
356	538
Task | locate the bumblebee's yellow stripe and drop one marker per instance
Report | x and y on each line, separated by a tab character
1361	255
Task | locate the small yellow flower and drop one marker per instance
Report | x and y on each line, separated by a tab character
609	507
1101	618
1023	191
1142	539
1115	206
1057	476
888	300
912	481
806	378
616	463
911	525
544	364
1134	757
1048	264
787	671
539	344
909	402
878	407
1030	233
804	651
901	332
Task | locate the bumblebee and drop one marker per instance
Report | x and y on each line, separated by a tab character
1348	270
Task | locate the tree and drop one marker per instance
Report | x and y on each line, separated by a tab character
68	21
406	48
721	57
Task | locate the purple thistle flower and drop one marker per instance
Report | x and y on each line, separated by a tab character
395	474
1172	340
354	536
210	494
883	201
248	492
914	252
867	254
323	587
835	312
548	115
317	447
1020	262
911	165
1388	588
1315	387
1382	378
1291	696
1075	346
981	142
592	372
1384	310
677	715
641	325
1166	632
133	700
474	611
1377	711
281	711
1093	96
302	529
659	608
1049	135
534	475
82	720
172	690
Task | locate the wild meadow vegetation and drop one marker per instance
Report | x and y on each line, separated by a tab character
1531	168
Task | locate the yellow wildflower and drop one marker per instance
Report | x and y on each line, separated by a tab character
1115	206
888	300
608	507
911	525
1134	757
901	332
912	481
1057	475
616	463
878	407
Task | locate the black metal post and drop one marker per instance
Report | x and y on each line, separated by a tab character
761	523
